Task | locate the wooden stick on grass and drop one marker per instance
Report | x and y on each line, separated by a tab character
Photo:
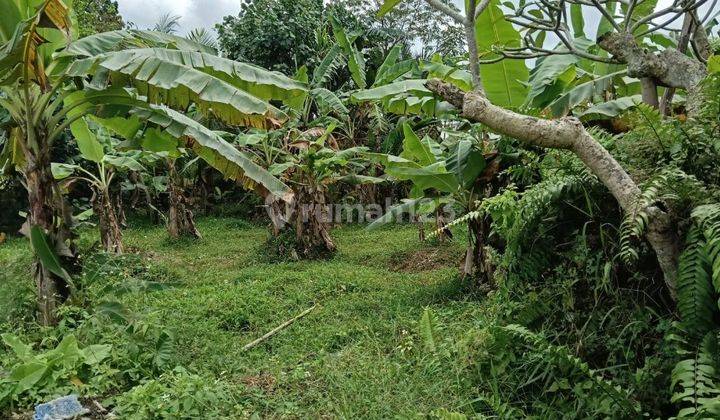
277	329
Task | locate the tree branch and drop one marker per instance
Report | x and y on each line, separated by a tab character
569	134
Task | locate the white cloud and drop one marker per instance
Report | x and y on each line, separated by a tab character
193	13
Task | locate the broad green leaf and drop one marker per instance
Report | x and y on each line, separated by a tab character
215	150
61	171
424	152
409	86
578	21
356	64
323	71
432	176
356	61
27	375
297	102
96	353
437	69
389	62
105	42
21	350
87	142
549	77
158	141
581	93
124	162
46	254
231	91
611	108
503	81
328	102
126	128
387	6
466	162
394	72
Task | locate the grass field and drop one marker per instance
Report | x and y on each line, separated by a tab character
359	353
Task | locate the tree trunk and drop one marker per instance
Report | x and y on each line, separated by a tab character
110	232
312	223
477	265
180	217
46	211
569	134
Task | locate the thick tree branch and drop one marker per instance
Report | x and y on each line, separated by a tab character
449	11
569	134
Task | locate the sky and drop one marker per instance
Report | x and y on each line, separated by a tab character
193	13
206	13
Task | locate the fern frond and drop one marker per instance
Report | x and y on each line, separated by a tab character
561	354
708	218
473	215
660	188
696	303
695	382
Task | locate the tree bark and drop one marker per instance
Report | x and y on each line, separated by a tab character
46	211
649	92
110	232
669	68
476	262
180	217
312	222
569	134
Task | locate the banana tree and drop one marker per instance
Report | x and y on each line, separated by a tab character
310	162
109	162
50	82
455	172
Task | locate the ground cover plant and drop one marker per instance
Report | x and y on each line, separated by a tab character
408	209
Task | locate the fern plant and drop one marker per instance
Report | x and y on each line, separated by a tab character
696	378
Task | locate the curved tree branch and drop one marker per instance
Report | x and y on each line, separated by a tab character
569	134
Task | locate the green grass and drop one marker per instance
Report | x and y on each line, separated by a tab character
358	354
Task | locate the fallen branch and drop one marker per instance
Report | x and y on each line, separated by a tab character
277	329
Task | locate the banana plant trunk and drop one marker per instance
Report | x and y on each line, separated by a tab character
477	266
181	221
47	212
109	224
312	222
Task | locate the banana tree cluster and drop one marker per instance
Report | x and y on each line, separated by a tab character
310	162
107	163
456	171
51	82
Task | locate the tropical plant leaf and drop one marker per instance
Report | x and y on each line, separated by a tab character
611	108
503	81
87	142
427	330
466	162
409	86
425	152
61	171
581	93
215	150
549	77
329	63
328	102
46	254
387	6
124	162
233	92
